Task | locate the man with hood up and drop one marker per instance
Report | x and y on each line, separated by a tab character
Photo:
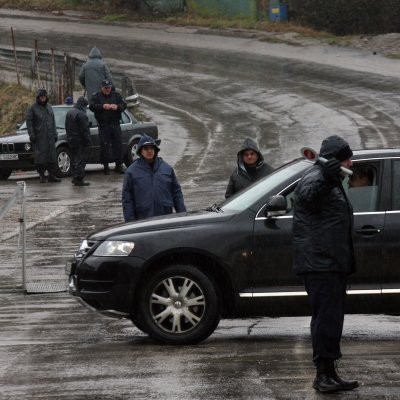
324	256
78	135
43	135
93	72
250	168
150	185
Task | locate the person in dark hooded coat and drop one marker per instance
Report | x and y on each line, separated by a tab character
324	256
43	135
93	72
150	185
250	168
78	135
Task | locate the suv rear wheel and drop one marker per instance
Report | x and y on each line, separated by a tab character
179	305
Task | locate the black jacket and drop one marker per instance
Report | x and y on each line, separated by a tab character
105	117
322	221
240	178
77	124
42	131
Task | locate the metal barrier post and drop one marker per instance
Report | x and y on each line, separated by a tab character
19	192
22	232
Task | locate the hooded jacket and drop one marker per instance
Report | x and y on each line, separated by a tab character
93	72
150	189
42	130
77	124
323	218
240	177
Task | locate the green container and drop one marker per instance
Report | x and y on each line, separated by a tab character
226	8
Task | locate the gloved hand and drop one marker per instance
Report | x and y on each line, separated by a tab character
332	167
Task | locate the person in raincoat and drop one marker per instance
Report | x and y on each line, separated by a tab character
43	135
150	185
77	129
93	72
324	256
250	168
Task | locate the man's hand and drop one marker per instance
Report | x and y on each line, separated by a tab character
332	167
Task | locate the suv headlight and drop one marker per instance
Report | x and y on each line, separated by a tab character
114	248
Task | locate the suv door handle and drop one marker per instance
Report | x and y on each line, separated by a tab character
368	230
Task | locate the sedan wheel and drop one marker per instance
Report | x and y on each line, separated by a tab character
63	165
179	305
131	154
5	173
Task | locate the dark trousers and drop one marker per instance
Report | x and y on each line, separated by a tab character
326	291
110	136
78	161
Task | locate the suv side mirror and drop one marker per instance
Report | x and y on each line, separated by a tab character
276	205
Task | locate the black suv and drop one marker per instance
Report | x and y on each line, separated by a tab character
16	152
176	276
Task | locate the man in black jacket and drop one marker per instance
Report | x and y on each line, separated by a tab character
324	256
78	135
107	105
250	168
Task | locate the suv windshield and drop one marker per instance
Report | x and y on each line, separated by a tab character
247	198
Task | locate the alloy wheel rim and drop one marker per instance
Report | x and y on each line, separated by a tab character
177	304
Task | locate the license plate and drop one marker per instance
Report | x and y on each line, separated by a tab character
8	156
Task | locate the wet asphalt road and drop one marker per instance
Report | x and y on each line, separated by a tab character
205	102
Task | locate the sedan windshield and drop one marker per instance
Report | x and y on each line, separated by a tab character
248	197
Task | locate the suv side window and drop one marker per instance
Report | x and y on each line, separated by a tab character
396	185
362	187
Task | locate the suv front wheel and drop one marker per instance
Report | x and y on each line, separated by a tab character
179	305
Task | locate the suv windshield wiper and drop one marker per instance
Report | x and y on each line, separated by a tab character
214	208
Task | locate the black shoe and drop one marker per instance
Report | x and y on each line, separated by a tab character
106	170
119	169
53	179
81	182
43	179
325	384
74	180
344	384
324	381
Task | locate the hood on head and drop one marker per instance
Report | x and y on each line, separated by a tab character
82	102
95	53
40	93
335	146
146	140
249	144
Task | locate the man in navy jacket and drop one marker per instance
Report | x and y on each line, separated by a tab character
150	185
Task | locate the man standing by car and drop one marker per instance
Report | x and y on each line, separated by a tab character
43	135
107	105
150	185
93	72
324	256
250	168
78	135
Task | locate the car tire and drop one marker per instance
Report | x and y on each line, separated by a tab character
179	305
130	155
5	173
63	164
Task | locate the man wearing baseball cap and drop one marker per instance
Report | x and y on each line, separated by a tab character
107	106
